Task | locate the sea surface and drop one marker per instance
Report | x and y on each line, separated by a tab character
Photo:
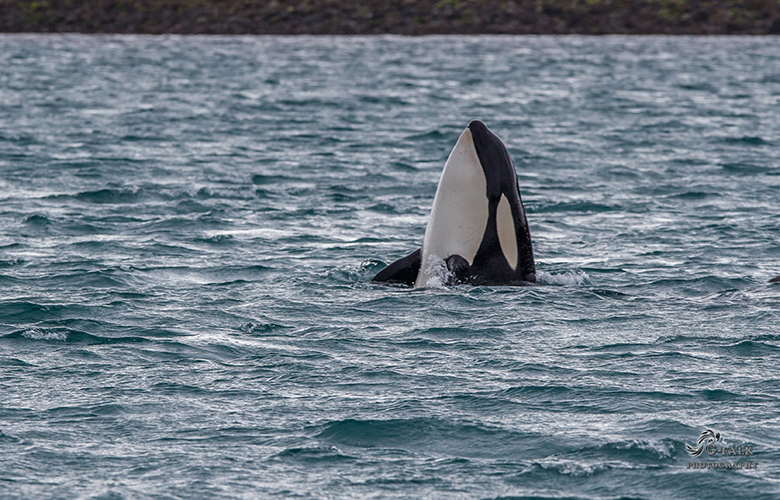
189	227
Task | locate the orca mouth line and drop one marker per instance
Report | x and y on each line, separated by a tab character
477	232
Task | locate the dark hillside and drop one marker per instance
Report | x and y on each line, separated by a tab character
410	17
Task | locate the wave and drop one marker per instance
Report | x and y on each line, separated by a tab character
67	335
315	455
568	278
572	206
436	437
750	140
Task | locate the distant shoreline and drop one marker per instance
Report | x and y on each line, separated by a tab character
401	17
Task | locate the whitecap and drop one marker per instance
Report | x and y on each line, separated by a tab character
570	278
38	334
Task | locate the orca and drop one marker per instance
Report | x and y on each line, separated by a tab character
477	233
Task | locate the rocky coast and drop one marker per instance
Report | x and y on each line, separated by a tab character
404	17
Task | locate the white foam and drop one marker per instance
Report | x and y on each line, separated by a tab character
570	278
437	272
38	334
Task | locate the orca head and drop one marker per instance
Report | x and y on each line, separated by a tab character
495	160
477	232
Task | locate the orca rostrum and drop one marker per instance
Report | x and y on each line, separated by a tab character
477	232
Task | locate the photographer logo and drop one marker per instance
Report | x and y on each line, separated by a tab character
710	443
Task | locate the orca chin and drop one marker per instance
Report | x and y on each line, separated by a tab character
477	232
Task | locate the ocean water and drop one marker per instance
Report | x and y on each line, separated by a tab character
189	226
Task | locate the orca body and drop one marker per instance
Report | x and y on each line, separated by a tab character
477	232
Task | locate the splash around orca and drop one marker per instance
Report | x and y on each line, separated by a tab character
477	232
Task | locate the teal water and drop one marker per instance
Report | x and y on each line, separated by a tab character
188	227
